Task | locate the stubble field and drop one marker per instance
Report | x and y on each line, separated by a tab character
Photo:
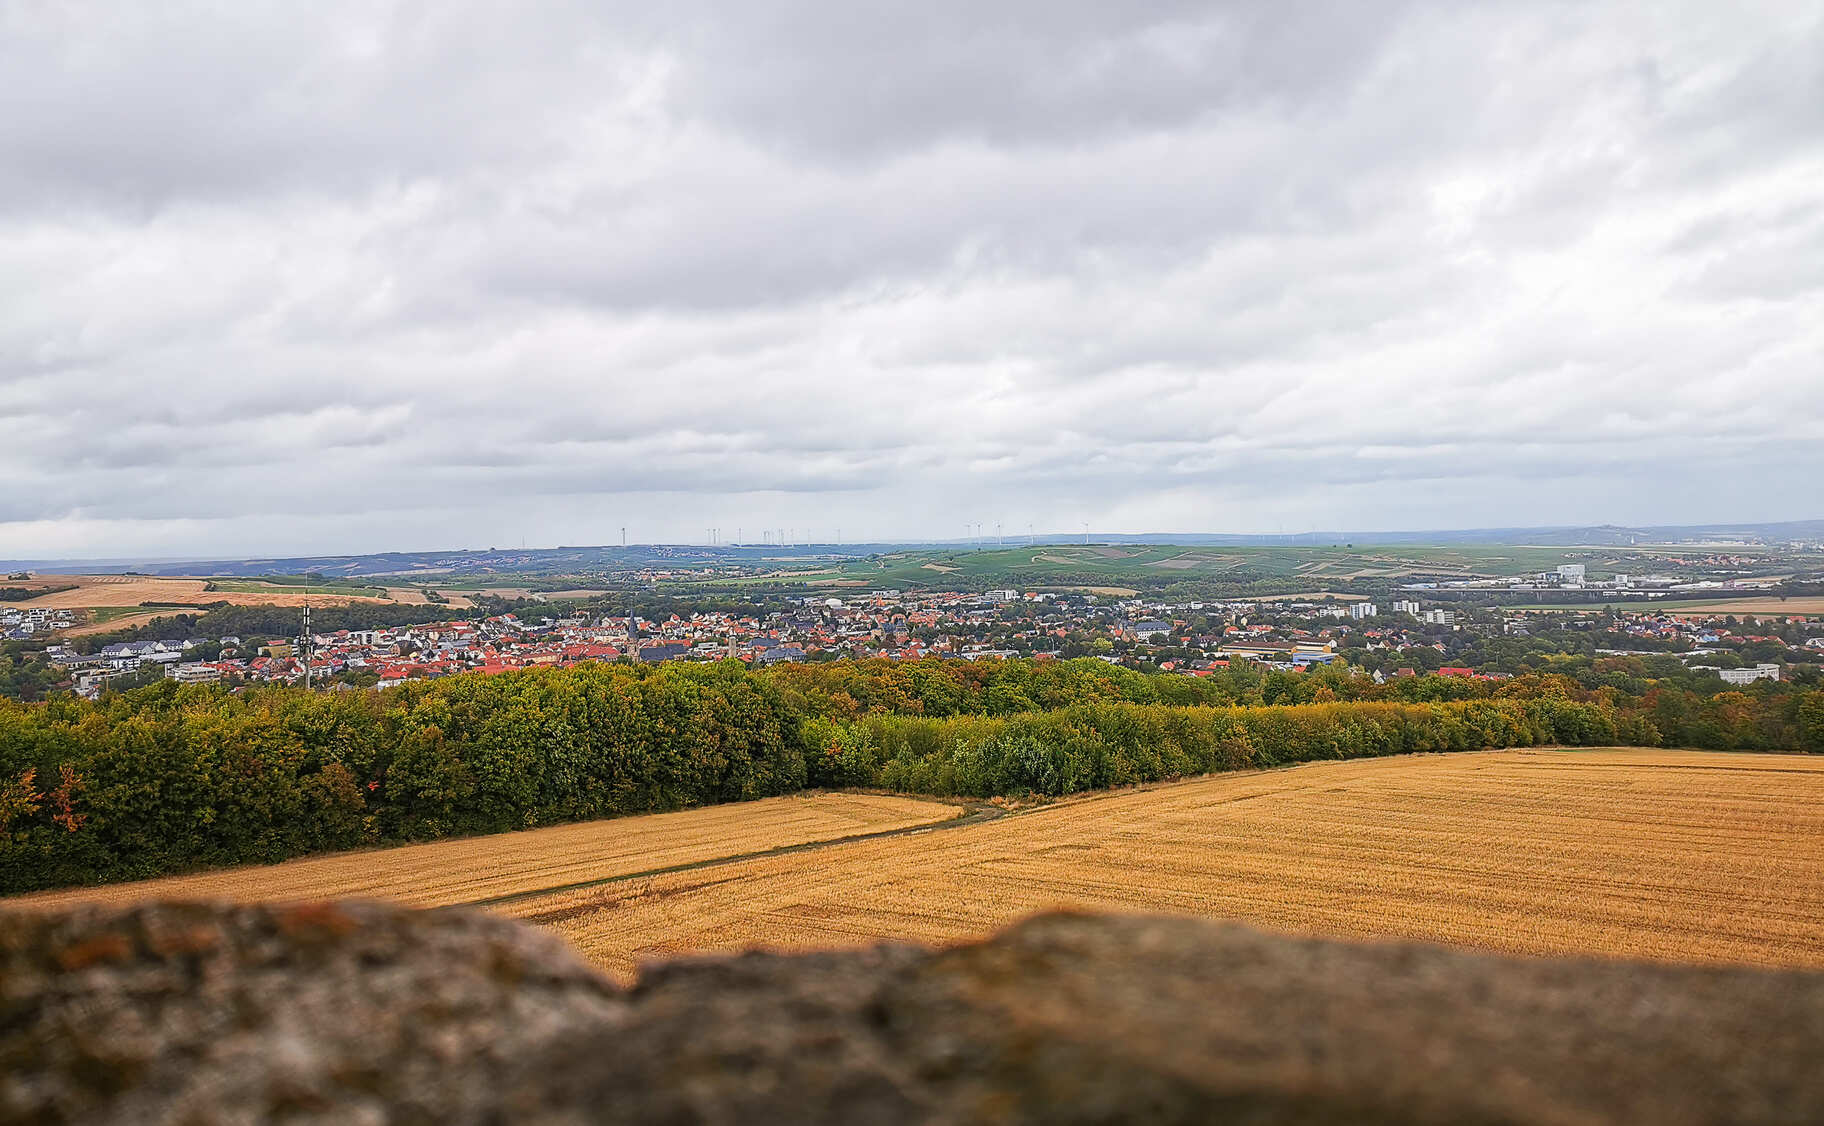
479	868
1671	855
1675	855
121	596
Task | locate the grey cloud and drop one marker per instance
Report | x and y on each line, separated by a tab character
347	277
873	77
144	105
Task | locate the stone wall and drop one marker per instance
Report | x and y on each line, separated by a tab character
363	1013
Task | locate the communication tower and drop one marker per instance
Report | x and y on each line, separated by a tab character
304	642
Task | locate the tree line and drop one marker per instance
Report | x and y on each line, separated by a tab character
169	778
1095	746
264	623
27	593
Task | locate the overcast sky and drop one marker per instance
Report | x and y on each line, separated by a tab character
361	276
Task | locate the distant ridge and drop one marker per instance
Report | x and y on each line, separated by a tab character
509	561
1601	535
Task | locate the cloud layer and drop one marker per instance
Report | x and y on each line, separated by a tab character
366	276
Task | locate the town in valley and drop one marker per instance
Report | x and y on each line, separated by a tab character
1739	611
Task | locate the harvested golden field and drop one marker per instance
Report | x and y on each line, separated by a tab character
1673	855
121	591
93	591
131	590
475	868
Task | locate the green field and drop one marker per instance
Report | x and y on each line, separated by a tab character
1152	565
484	584
297	584
99	614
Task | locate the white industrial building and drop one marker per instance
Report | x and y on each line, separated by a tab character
1749	676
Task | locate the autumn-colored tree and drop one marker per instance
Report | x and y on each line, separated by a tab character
62	801
19	799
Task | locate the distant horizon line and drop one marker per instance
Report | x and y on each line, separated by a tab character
1407	537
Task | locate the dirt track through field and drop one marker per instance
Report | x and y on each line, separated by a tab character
1671	855
509	865
971	813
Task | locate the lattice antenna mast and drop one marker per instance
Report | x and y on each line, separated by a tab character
307	635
